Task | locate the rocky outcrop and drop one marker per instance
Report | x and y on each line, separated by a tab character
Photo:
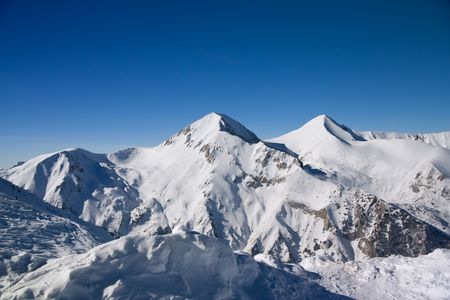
357	225
383	229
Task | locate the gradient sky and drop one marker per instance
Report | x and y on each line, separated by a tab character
114	74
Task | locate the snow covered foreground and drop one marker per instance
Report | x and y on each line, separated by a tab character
173	266
394	277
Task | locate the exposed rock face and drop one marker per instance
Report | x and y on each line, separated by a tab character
355	225
383	229
372	227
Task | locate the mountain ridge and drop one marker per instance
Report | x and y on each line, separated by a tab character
216	177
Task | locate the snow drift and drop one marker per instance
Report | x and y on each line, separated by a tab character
182	265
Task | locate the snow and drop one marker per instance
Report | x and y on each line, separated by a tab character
322	193
218	176
395	277
439	139
84	183
180	266
317	133
405	172
31	232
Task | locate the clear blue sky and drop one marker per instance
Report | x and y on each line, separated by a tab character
105	75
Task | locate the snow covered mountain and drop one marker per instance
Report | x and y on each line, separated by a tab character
231	185
322	191
408	173
218	178
81	182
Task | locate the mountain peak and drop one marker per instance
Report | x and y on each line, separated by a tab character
214	123
339	131
320	130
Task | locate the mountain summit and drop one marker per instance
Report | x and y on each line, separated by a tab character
214	125
318	131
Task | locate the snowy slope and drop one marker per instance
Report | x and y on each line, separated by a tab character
176	266
406	172
440	139
32	231
395	277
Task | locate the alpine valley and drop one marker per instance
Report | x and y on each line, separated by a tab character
214	212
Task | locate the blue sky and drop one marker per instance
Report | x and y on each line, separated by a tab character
113	74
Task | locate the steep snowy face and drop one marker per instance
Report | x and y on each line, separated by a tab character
406	172
181	266
31	231
81	182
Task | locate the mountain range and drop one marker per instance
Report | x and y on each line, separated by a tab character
323	193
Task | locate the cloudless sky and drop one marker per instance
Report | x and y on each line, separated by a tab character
105	75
